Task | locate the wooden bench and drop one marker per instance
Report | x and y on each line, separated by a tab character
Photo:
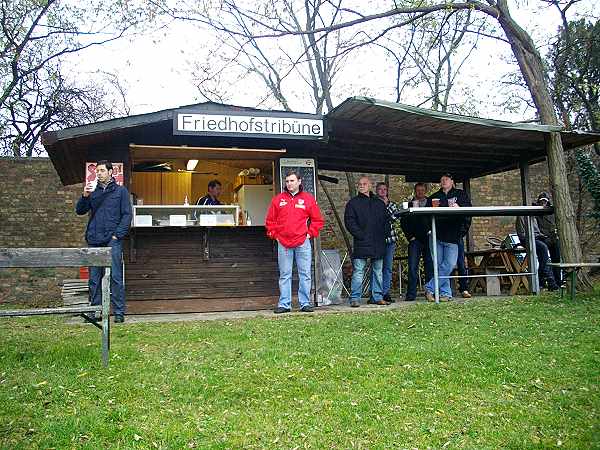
572	269
65	257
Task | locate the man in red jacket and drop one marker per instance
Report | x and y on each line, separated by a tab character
293	218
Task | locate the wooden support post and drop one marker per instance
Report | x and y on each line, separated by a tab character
467	189
106	316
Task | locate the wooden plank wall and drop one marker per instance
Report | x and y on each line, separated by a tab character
170	274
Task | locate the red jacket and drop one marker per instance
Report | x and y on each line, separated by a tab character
291	217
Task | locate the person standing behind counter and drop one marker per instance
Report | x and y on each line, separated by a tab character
415	230
110	217
212	198
449	230
292	219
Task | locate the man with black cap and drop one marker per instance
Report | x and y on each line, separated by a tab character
449	230
547	226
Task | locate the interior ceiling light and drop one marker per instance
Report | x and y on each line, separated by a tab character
191	164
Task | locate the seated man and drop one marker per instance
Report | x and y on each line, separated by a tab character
545	275
547	225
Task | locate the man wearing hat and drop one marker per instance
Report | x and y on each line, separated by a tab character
547	226
449	230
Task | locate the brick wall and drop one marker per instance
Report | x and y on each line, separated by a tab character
36	210
497	190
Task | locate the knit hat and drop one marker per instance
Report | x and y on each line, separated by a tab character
544	196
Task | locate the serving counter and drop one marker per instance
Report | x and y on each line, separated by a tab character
186	216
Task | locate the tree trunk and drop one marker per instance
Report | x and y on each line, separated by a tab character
533	72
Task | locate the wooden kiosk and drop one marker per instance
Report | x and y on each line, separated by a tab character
185	258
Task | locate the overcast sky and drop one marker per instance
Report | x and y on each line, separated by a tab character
155	68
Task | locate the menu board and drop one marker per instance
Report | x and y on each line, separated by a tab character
90	172
306	169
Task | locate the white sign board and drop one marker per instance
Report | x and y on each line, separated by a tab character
259	124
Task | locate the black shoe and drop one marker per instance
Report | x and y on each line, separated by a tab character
553	287
378	302
409	299
119	319
281	310
388	298
307	308
354	304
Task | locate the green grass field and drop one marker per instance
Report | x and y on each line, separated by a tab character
519	373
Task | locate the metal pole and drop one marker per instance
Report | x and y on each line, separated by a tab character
533	266
534	282
436	281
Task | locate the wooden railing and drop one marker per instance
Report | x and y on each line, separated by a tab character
64	257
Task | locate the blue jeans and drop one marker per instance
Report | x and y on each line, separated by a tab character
416	249
461	268
285	258
358	274
117	287
386	271
447	254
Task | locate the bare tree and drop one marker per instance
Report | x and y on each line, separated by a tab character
35	38
530	64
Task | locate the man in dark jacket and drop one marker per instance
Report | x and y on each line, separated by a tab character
109	219
449	230
547	226
367	220
415	229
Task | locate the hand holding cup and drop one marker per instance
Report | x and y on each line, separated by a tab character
89	187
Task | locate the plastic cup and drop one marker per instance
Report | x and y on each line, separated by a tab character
435	202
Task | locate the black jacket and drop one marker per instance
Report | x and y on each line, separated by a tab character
451	228
110	213
367	220
415	226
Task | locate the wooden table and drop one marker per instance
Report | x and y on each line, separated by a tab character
503	261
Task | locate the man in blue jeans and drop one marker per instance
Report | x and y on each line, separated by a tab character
449	231
292	220
415	230
109	218
367	220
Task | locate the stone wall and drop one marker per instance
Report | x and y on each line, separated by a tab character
36	210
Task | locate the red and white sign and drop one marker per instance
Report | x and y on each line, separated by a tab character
90	172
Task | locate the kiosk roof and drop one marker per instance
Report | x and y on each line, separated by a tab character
363	135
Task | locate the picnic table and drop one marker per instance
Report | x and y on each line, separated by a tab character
501	263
